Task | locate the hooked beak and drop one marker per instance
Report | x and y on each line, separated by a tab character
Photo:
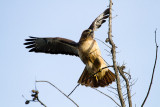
90	31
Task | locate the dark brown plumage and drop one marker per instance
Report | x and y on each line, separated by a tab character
52	45
86	49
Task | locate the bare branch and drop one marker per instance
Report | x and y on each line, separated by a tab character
103	43
127	74
113	92
41	102
74	89
152	72
113	50
127	86
107	96
108	52
59	91
112	88
35	98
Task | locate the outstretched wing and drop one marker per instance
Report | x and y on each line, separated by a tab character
99	20
52	45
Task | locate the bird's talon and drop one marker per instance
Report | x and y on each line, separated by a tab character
96	77
100	70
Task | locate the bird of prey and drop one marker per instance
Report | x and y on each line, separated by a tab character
95	74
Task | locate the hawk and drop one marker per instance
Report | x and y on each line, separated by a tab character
86	49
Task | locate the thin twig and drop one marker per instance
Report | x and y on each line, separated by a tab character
103	43
73	89
133	82
127	74
35	98
152	72
41	102
112	92
59	91
113	50
105	61
108	51
107	96
111	66
112	88
127	86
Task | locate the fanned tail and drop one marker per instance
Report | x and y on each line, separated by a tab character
93	81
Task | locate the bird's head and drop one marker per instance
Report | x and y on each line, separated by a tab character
87	34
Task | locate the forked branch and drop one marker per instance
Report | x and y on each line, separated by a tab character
35	98
127	85
59	91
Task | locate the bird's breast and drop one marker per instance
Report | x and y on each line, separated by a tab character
88	51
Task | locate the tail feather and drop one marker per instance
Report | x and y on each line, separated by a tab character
94	82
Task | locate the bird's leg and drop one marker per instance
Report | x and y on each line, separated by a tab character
100	69
95	75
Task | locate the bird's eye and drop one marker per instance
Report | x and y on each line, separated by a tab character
88	31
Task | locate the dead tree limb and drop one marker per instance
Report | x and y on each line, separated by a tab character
59	91
113	51
152	72
127	86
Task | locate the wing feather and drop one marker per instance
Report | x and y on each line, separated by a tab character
99	20
52	45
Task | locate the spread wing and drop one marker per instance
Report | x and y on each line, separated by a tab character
52	45
99	20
